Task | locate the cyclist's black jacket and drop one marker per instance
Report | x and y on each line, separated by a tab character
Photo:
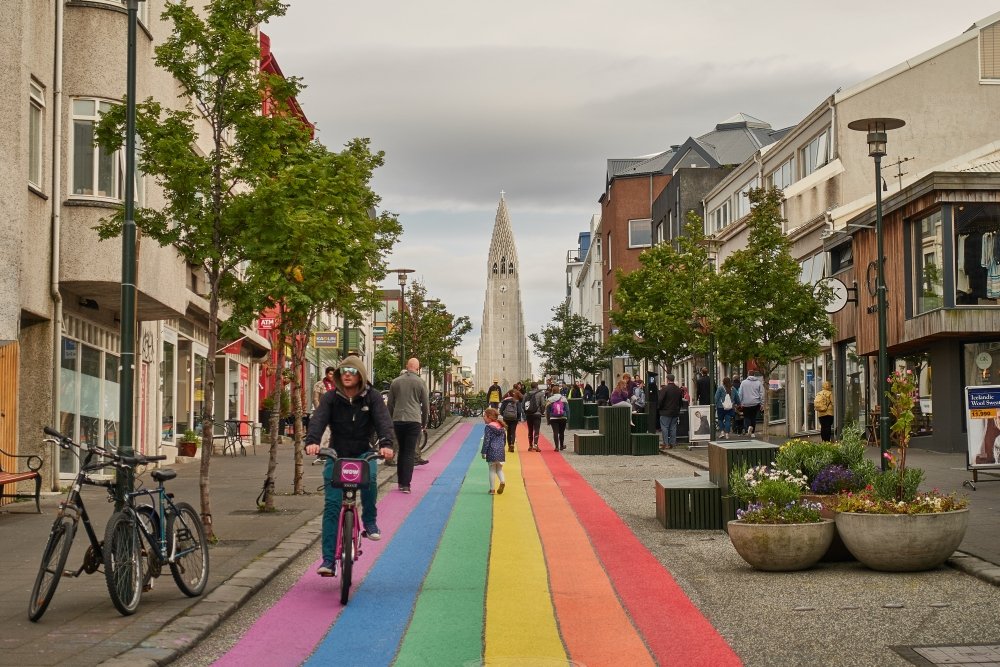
352	421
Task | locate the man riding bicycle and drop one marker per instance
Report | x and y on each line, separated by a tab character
353	410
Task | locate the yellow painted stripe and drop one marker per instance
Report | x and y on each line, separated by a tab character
520	620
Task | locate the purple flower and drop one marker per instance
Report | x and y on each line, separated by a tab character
834	479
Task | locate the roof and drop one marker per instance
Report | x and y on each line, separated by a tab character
730	143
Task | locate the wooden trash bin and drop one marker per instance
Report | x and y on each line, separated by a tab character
693	503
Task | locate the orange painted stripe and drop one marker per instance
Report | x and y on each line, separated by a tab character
594	626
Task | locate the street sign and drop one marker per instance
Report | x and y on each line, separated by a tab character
265	323
326	339
379	332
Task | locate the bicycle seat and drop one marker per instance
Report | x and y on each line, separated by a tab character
163	475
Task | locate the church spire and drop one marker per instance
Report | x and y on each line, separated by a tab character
503	347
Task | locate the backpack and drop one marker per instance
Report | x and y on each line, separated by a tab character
822	402
727	402
510	412
558	409
531	403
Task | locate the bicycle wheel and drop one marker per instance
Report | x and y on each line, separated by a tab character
121	562
188	549
346	556
423	441
149	553
51	568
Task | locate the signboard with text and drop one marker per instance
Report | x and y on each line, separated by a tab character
326	339
982	425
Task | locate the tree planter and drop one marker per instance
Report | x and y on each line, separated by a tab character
187	448
902	542
781	547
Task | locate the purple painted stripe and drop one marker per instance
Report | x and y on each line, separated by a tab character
287	633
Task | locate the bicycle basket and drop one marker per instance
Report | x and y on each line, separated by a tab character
350	474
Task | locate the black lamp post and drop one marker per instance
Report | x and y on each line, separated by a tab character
877	129
401	275
128	293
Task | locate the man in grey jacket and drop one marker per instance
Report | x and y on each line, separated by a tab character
751	398
409	407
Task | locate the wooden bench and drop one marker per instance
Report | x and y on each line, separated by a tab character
693	503
34	464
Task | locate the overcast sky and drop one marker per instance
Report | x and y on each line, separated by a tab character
533	96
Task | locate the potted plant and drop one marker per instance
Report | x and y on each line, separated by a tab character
188	444
890	525
778	531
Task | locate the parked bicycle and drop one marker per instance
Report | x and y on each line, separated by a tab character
172	535
121	573
349	475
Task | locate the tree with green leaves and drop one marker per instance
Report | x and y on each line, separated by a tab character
570	344
655	304
762	311
323	250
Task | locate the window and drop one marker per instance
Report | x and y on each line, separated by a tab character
813	269
88	398
784	175
816	153
920	364
841	258
36	107
977	255
989	53
928	288
609	252
719	218
640	233
742	207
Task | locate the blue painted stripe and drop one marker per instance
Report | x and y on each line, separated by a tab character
371	627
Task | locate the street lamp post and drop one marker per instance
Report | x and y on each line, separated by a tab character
401	275
877	129
128	292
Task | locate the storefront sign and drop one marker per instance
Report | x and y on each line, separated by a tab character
982	422
266	323
326	339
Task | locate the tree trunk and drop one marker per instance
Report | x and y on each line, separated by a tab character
276	397
298	405
208	418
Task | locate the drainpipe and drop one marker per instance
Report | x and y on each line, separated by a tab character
56	203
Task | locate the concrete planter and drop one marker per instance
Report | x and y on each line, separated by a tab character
781	547
902	542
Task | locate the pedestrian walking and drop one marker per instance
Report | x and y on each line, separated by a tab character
556	416
703	388
409	407
668	406
322	386
751	399
588	393
353	412
602	394
534	404
823	403
494	437
726	400
494	394
510	412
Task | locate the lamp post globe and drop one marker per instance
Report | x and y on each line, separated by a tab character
401	275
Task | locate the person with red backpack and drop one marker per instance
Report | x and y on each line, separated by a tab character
556	416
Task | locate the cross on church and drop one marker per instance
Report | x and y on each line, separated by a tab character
502	194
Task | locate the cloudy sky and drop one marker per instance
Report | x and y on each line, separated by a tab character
533	96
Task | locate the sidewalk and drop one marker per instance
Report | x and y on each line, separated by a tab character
980	550
81	627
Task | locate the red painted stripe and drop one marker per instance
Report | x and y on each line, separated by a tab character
675	630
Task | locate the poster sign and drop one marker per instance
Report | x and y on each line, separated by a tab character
699	426
982	424
327	339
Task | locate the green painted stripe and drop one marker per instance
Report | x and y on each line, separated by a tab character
447	623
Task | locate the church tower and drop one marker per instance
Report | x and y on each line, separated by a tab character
503	347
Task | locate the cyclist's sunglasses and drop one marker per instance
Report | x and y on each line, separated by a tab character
350	371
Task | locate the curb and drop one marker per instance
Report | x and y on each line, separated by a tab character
184	631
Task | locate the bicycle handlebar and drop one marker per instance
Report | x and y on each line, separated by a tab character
330	453
117	460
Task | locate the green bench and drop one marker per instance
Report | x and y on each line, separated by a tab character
693	503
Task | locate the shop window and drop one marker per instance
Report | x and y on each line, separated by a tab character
776	385
923	408
977	254
88	399
167	388
853	393
928	277
981	363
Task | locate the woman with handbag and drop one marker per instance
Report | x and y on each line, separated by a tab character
726	401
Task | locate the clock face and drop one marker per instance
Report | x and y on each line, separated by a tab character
503	288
